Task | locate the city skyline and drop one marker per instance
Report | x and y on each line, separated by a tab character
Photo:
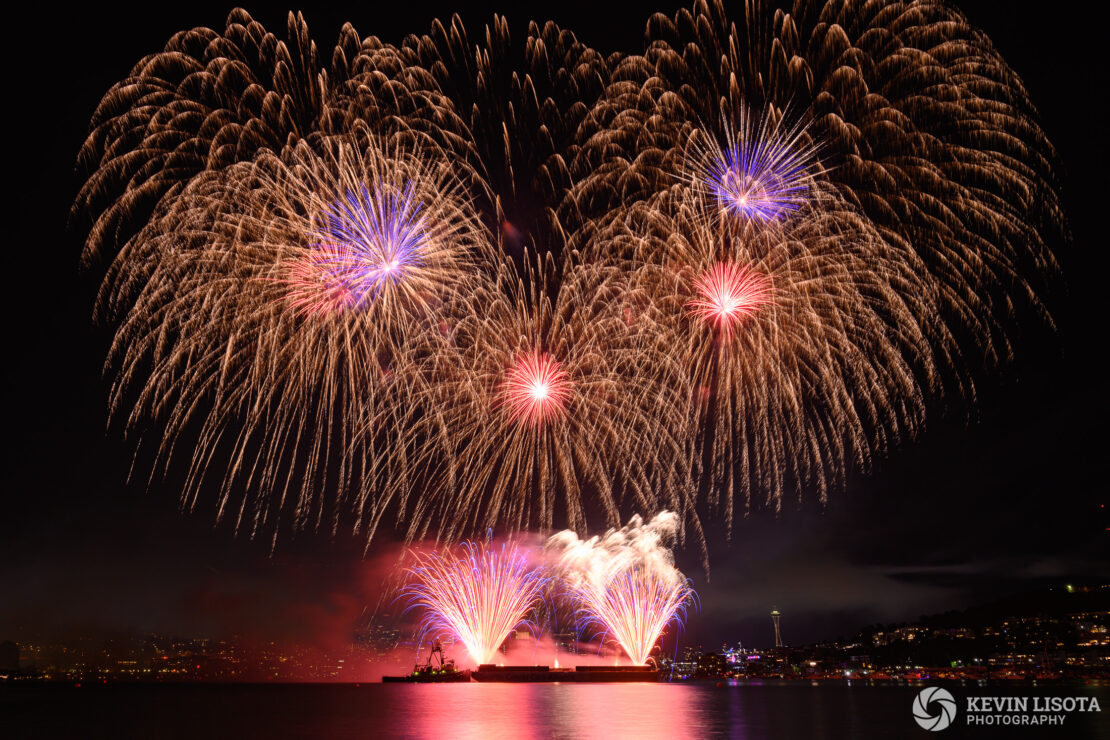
1063	633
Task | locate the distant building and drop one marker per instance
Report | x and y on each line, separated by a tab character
776	617
712	665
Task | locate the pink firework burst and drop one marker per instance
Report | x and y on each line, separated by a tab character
626	581
728	292
536	388
313	289
477	594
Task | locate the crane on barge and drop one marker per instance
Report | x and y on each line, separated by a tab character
432	672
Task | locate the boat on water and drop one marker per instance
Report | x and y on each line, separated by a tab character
425	676
440	669
432	672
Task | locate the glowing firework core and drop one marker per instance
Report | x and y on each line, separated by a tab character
536	388
478	596
761	179
727	293
367	242
626	581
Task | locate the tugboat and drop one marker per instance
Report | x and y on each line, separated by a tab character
431	672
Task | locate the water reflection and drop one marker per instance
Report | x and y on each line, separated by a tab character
533	711
790	710
627	710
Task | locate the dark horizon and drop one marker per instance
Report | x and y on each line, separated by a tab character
1000	498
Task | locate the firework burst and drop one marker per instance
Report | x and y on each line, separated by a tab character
536	388
727	293
478	595
329	318
626	581
238	326
368	243
775	405
550	402
761	172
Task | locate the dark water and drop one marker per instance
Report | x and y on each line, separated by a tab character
463	711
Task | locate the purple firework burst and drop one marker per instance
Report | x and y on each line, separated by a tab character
761	172
367	242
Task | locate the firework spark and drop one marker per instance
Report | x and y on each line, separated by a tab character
727	293
626	581
477	596
596	419
367	242
283	373
311	301
536	388
776	406
761	172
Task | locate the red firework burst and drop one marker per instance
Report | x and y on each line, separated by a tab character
536	389
727	293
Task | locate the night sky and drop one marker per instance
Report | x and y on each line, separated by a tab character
993	500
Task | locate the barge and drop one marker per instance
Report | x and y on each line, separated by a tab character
580	674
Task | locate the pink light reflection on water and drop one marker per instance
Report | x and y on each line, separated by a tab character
533	711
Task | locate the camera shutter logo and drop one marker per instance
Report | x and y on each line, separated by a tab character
934	708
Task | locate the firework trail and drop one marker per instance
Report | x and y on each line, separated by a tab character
369	244
575	398
902	98
783	331
478	596
761	171
504	281
727	293
626	580
260	312
536	388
